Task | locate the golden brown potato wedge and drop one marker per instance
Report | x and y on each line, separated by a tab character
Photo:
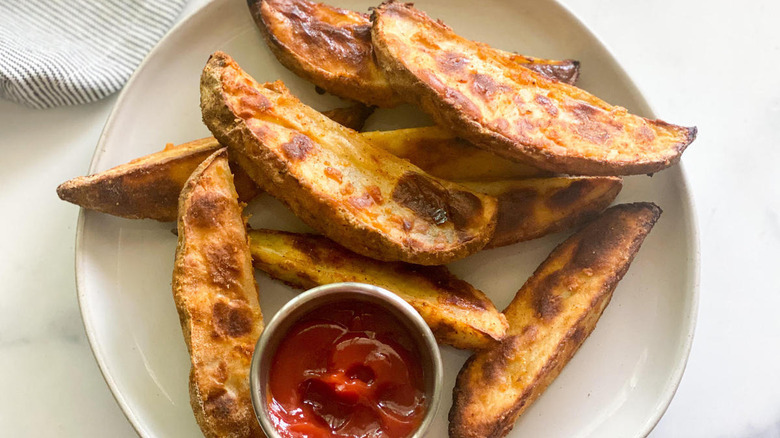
149	187
216	296
331	47
531	208
458	314
527	209
549	318
362	197
511	110
441	154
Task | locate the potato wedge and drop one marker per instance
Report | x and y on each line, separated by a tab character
549	318
441	154
511	110
527	209
531	208
458	314
331	47
216	296
360	196
148	187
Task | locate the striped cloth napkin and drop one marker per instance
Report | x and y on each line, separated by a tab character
68	52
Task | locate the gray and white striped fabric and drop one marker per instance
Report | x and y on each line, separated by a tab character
68	52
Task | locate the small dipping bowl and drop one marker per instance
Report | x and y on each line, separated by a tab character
277	329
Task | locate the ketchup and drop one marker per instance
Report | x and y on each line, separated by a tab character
347	369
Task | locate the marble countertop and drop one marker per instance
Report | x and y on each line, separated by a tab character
713	64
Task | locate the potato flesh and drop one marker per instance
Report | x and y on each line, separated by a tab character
334	180
216	296
331	47
458	314
549	318
532	208
527	208
441	154
513	111
148	187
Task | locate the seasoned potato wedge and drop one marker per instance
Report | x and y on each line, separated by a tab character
458	314
531	208
527	209
549	318
441	154
360	196
149	187
511	110
331	47
216	296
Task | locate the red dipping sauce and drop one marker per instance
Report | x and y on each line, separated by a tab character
347	369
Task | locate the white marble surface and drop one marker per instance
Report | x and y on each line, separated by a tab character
709	63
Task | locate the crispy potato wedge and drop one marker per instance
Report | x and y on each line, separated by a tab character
331	47
458	314
149	187
441	154
511	110
216	295
531	208
549	318
362	197
527	209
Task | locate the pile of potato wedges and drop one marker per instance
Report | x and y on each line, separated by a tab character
517	152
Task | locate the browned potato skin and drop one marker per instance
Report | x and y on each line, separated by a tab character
549	318
532	208
439	153
148	187
566	71
353	116
331	47
216	296
527	209
458	314
360	196
511	110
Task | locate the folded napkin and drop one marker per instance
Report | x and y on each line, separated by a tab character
67	52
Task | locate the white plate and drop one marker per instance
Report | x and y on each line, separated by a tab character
619	383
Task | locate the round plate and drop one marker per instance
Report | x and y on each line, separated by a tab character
618	384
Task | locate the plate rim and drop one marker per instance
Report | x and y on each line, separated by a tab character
692	233
94	346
